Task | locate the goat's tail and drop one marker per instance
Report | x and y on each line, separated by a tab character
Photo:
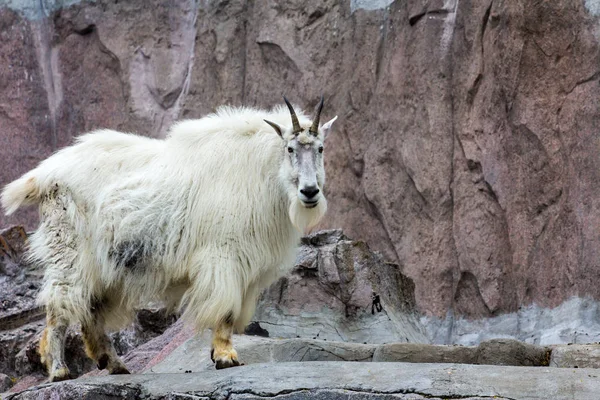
23	191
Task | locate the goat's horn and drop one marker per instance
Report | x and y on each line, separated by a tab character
314	129
295	123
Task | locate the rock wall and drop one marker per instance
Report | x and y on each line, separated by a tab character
467	145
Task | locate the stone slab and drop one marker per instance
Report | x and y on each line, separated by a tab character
576	356
194	354
334	380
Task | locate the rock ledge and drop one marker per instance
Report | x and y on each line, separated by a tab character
336	380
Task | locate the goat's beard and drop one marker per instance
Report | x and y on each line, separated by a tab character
306	218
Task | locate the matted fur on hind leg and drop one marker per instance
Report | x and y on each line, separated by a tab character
99	347
52	347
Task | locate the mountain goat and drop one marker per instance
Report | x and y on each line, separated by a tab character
204	219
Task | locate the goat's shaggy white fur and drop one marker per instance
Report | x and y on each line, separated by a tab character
205	218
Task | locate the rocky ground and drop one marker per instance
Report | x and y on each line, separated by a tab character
341	324
337	380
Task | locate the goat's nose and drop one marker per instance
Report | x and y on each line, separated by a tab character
310	191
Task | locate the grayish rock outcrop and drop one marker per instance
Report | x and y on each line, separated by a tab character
574	321
576	356
341	290
193	354
337	380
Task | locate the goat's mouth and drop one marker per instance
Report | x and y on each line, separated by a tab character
310	203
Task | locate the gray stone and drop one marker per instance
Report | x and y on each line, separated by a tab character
150	353
254	329
512	352
322	238
5	382
493	352
194	354
82	391
19	281
325	380
36	10
574	321
576	356
341	290
423	353
12	345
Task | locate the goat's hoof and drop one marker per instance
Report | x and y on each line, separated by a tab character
224	358
103	361
226	363
120	370
61	374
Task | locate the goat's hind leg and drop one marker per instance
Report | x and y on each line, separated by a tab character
222	352
52	347
99	347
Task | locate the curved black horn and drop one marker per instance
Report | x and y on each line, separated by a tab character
314	129
295	123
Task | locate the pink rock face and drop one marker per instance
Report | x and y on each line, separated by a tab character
466	148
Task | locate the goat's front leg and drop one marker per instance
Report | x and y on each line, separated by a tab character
222	352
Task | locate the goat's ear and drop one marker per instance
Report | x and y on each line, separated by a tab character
326	127
276	127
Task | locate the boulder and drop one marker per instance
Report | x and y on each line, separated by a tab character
341	290
424	353
194	354
512	352
5	382
576	356
19	280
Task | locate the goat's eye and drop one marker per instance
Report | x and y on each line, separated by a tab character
320	149
290	150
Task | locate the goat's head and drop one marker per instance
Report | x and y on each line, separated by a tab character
302	168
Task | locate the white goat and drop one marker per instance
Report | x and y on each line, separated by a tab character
204	219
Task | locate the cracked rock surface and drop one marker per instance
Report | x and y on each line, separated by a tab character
341	290
193	354
337	380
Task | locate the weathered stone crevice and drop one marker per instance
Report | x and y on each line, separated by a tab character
381	45
47	61
175	99
441	12
595	76
484	24
376	213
